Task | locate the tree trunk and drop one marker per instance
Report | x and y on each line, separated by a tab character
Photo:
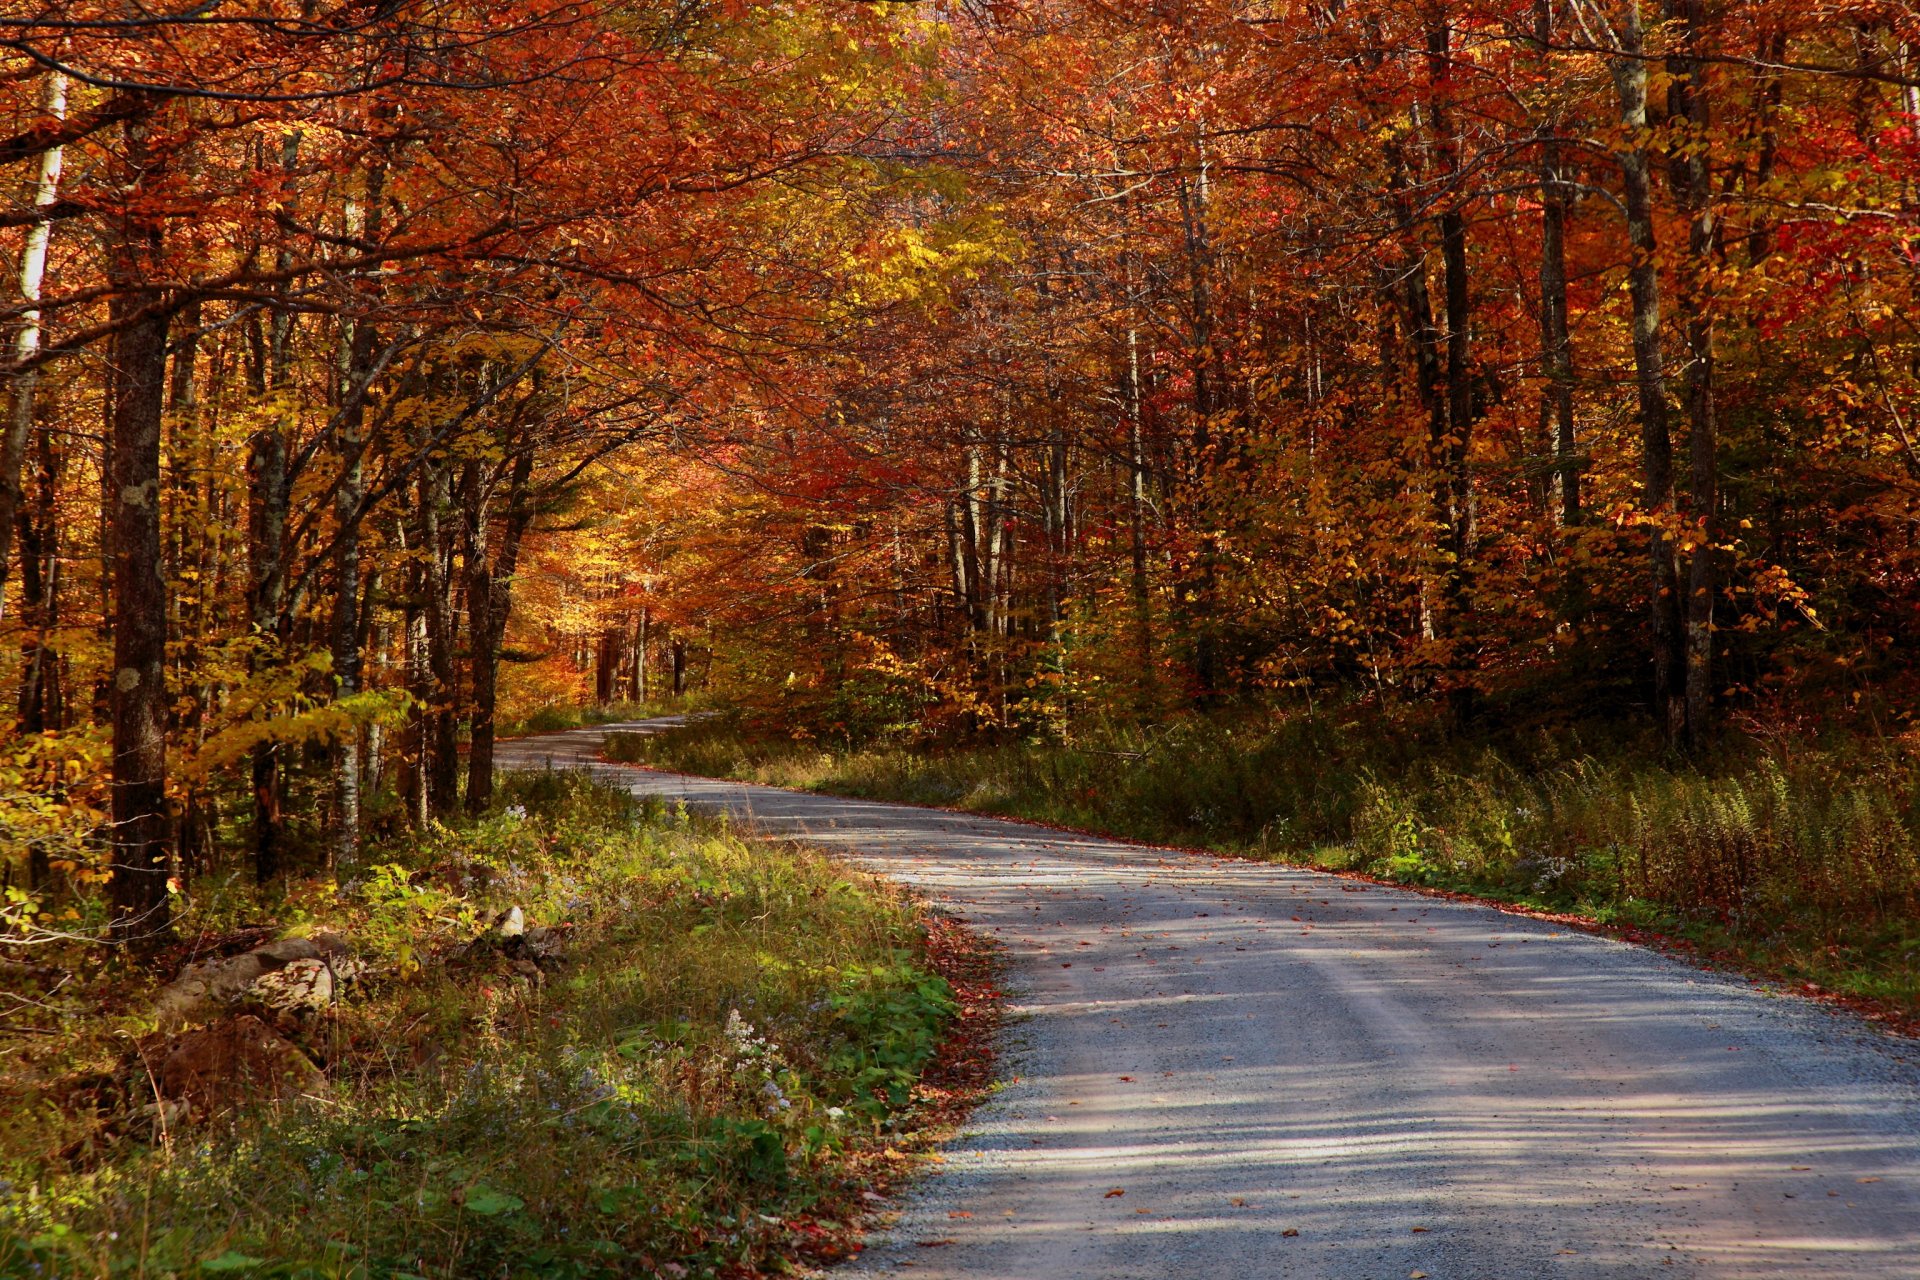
1656	444
269	497
26	340
489	604
443	751
361	343
1691	112
1454	505
1137	523
1556	343
638	688
679	653
40	700
138	888
419	683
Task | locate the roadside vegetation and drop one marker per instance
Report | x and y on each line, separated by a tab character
561	716
1798	856
581	1036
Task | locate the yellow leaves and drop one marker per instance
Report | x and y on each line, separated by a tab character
328	722
923	263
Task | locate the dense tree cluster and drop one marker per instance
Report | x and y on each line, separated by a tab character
1431	348
969	366
316	313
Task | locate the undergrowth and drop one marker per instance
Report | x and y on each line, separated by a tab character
557	717
1803	861
736	1031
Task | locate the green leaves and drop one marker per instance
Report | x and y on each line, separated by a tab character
489	1203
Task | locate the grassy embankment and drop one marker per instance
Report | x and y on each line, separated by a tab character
1797	859
726	1056
554	719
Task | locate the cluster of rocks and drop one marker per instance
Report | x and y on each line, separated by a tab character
246	1027
241	1028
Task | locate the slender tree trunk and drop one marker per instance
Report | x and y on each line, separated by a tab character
361	345
138	889
26	339
443	752
1137	522
1556	342
40	576
679	653
419	683
1630	76
1454	505
638	687
269	497
489	604
1690	108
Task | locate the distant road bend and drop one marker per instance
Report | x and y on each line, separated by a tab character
1287	1074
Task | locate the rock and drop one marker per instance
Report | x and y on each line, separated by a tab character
296	994
233	1061
511	923
205	991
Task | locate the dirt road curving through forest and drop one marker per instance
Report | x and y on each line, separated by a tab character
1233	1069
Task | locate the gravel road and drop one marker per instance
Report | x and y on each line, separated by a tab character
1233	1069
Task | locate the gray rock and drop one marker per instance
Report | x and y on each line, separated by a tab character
298	993
207	990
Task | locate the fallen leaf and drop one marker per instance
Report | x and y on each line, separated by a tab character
1866	1179
958	1213
932	1244
1111	1194
1290	1231
1416	1275
1237	1202
1418	1230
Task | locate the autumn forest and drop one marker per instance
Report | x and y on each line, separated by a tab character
1468	444
379	375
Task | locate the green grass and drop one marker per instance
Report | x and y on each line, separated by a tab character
1804	863
554	719
738	1029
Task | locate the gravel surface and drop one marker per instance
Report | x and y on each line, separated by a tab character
1235	1069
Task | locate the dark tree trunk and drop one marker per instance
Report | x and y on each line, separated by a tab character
436	559
138	888
1691	112
269	493
40	573
489	605
269	496
1454	496
419	682
679	655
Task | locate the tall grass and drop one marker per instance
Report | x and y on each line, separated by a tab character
1810	857
734	1025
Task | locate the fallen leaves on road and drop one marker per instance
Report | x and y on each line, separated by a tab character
1111	1194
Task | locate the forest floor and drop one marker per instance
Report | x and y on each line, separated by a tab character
1223	1066
672	1053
